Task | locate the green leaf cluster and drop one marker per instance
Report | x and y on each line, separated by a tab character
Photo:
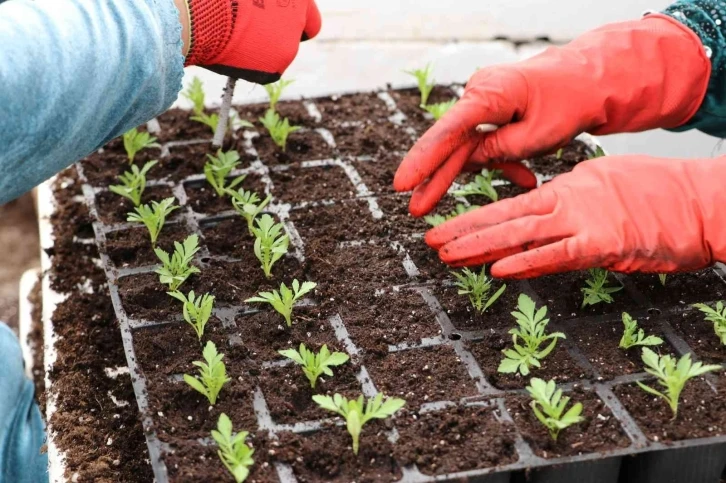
315	365
176	269
436	220
633	336
357	414
197	310
135	141
671	375
275	90
248	205
278	128
270	242
424	81
596	290
284	299
549	405
478	287
218	168
195	93
153	216
438	110
531	331
234	453
133	183
482	185
717	316
212	374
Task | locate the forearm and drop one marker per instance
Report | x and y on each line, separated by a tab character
707	18
77	73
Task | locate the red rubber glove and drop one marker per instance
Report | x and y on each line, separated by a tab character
255	40
623	213
623	77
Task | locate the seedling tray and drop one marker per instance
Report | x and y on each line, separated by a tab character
378	257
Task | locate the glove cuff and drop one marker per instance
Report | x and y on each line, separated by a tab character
211	27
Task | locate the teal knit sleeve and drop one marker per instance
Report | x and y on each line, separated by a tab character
707	18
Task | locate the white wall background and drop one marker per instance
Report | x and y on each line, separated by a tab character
365	45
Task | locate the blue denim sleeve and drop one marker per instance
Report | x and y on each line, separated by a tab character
707	18
75	74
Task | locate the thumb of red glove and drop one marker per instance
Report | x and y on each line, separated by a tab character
623	77
254	40
625	213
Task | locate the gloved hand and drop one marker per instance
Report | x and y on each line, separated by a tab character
623	77
254	40
623	213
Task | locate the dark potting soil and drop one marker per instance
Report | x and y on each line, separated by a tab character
699	335
294	111
301	146
427	261
349	220
701	412
175	125
576	152
455	439
367	138
409	102
35	342
599	343
680	288
558	365
377	174
327	455
600	431
422	375
353	107
203	198
318	183
113	208
465	317
132	247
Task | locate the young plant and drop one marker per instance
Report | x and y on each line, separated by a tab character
599	153
197	310
135	141
531	331
275	91
596	291
270	243
314	365
482	185
153	216
672	375
218	168
662	277
212	121
212	374
248	205
284	300
717	316
549	407
278	128
438	110
477	287
425	86
633	336
234	453
175	270
195	93
357	414
558	154
133	183
436	220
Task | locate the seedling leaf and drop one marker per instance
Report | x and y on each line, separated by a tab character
218	168
438	110
133	183
436	220
195	93
314	365
284	299
212	374
176	269
153	216
482	185
596	290
274	91
234	453
248	205
633	336
477	287
717	316
135	141
278	128
197	310
425	86
548	405
270	243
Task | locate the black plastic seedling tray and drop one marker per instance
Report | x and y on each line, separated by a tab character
643	461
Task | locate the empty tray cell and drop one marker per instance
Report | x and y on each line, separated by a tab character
464	316
296	185
132	247
301	146
349	220
680	288
352	107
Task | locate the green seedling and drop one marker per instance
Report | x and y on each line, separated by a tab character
275	91
278	128
478	288
197	310
176	269
558	155
438	110
482	185
270	242
248	205
425	86
135	141
633	336
599	153
234	453
672	375
209	120
195	93
662	277
218	168
717	316
284	300
133	183
596	291
531	331
212	374
153	216
357	414
549	405
436	220
315	365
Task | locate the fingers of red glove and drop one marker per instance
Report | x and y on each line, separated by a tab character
517	173
428	193
546	260
538	202
314	22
